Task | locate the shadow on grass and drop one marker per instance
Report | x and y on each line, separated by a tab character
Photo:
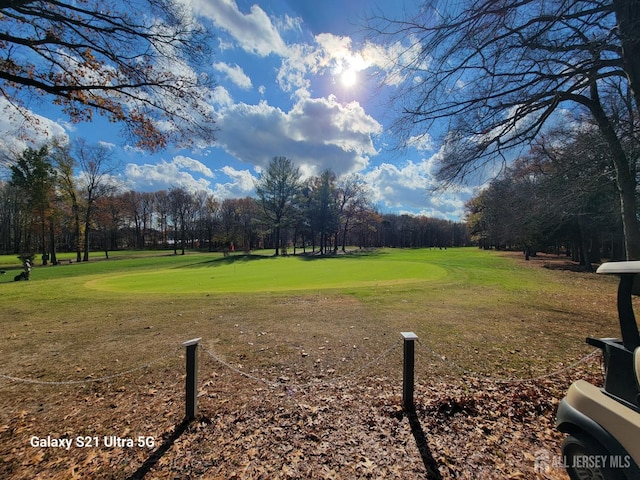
430	463
355	254
229	260
159	452
309	256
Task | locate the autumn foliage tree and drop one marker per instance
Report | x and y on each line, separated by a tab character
133	61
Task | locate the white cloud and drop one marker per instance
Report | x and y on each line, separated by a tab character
21	128
422	143
253	31
288	23
221	97
235	74
244	178
334	54
179	172
134	150
337	54
409	189
293	71
329	53
192	165
258	33
241	184
317	133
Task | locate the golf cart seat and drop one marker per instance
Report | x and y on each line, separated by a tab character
605	422
622	378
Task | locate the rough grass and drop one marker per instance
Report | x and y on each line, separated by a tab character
289	321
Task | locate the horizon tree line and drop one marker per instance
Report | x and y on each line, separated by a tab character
63	198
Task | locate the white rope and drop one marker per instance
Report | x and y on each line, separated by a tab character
293	387
86	380
486	378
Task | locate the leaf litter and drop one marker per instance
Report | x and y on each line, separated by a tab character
351	428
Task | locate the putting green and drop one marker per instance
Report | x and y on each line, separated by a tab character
264	274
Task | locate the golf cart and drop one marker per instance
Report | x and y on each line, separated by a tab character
604	423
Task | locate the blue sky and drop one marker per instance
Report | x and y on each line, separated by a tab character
294	78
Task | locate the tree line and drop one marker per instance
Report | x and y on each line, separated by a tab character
560	197
64	198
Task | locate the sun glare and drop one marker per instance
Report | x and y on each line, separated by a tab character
349	78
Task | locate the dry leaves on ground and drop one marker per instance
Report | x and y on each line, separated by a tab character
352	427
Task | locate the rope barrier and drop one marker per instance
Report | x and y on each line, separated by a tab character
86	380
293	387
486	378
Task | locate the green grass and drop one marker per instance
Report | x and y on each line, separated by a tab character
481	300
252	273
163	272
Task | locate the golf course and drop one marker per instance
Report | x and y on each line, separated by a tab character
299	363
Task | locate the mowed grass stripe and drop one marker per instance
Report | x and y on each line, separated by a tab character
246	274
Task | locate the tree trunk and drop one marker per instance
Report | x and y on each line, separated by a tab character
277	241
175	239
628	17
43	236
76	219
344	236
625	178
52	241
182	237
585	247
596	247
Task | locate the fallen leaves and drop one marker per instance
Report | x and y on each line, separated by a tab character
351	427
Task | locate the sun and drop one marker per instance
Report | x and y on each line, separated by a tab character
349	78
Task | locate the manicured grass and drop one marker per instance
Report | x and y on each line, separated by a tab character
163	272
252	273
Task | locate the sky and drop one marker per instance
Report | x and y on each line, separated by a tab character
294	78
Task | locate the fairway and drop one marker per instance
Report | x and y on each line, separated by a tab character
253	273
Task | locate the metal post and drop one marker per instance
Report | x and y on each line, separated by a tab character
191	383
407	370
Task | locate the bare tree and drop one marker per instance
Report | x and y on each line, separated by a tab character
496	72
181	207
323	211
563	193
132	61
163	210
96	166
248	212
351	198
65	165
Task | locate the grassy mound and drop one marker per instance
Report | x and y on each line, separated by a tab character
253	273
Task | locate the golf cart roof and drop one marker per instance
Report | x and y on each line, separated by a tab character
619	267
